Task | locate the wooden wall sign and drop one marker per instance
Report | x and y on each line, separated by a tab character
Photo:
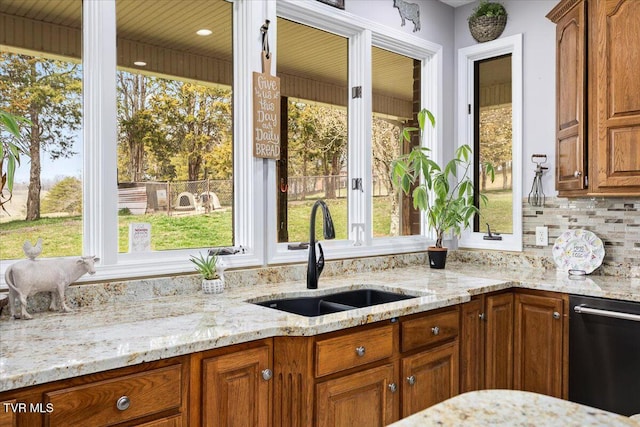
266	112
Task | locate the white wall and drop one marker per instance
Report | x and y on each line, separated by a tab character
539	53
437	26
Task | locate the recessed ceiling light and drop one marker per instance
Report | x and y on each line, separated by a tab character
204	32
140	63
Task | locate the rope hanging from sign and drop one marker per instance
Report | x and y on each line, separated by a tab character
266	105
266	52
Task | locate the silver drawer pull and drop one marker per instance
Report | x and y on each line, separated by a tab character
393	387
267	374
556	315
123	403
360	351
577	174
435	330
411	380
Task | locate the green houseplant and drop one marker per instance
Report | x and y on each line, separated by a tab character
487	21
10	151
212	282
445	194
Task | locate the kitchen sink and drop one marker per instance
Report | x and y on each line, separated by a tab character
333	303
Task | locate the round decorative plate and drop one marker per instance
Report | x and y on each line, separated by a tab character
578	250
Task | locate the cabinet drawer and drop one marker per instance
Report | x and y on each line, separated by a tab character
353	349
96	404
429	329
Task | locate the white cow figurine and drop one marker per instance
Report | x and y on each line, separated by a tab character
28	277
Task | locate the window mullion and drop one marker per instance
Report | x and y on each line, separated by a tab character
100	219
359	147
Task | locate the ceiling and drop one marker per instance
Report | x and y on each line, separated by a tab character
301	51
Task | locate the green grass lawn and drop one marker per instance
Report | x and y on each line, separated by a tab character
63	236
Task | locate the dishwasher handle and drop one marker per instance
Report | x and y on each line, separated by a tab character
583	309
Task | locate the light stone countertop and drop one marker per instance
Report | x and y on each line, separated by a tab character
511	408
56	346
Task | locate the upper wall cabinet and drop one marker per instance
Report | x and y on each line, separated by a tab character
598	97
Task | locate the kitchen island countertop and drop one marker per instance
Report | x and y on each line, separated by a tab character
511	408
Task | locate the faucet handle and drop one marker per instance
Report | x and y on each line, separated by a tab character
320	263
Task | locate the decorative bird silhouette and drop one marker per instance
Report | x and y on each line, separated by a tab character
32	251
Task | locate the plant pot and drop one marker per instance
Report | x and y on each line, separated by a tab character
213	286
487	28
437	257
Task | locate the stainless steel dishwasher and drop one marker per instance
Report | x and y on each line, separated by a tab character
604	354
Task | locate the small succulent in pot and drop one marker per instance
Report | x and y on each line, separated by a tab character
206	265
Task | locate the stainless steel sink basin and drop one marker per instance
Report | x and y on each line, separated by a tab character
333	303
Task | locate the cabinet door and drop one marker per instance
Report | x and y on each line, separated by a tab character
616	93
472	345
571	156
367	398
499	341
538	344
7	414
234	392
429	377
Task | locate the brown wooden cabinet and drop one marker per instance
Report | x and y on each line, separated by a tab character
7	413
367	398
430	358
597	97
614	48
153	394
571	73
486	343
541	323
233	386
430	377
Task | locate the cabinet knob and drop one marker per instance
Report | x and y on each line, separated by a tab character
556	315
267	374
435	330
123	403
577	174
360	351
482	316
393	387
411	380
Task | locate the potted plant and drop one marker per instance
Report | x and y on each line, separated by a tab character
487	21
446	195
212	282
10	151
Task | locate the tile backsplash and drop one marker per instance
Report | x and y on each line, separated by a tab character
615	220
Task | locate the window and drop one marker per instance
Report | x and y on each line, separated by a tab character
386	73
41	80
162	107
174	125
313	164
393	84
490	119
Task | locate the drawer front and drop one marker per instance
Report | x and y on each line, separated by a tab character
353	349
430	329
96	404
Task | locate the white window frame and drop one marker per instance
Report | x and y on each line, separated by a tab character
362	35
100	217
254	178
466	58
